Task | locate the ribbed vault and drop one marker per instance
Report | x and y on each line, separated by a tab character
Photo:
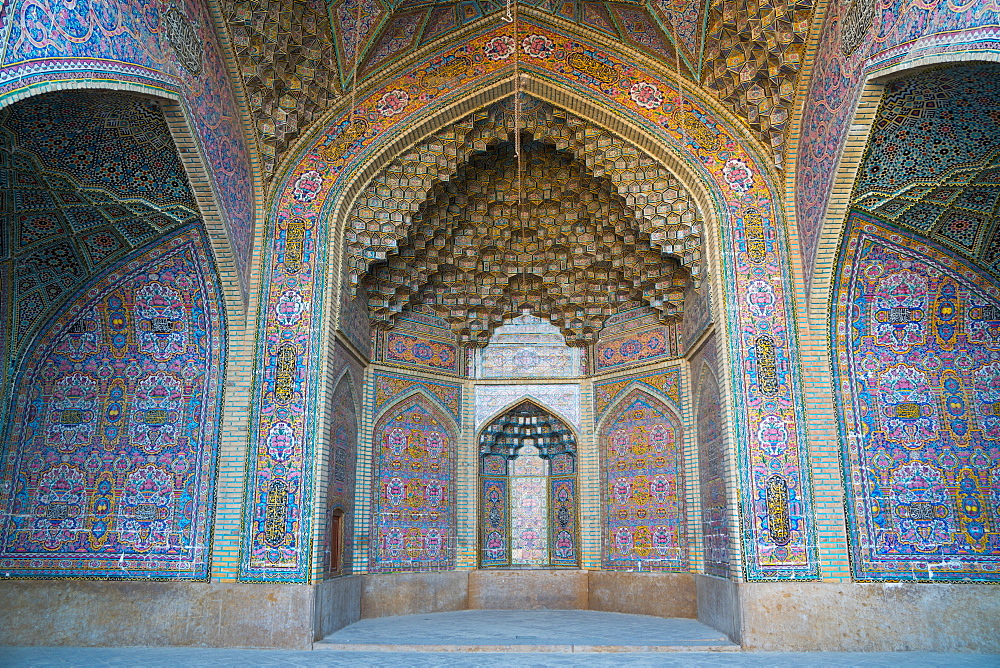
572	251
650	194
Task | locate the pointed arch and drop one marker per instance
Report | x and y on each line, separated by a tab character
642	481
636	385
528	490
543	405
424	393
413	519
713	462
193	160
728	176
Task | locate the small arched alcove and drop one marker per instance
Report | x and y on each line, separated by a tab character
528	491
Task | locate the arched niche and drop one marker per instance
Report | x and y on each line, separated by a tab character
642	451
528	491
726	176
913	317
712	468
413	524
338	537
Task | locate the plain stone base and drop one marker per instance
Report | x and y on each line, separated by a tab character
853	617
719	604
89	613
337	604
84	613
657	594
767	616
870	617
396	594
528	590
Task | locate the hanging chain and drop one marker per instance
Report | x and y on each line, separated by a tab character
680	88
354	65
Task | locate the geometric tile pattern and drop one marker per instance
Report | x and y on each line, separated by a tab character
858	40
111	450
754	51
170	49
666	384
391	386
85	179
570	251
287	59
341	479
918	382
933	159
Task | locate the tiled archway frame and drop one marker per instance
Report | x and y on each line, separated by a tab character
302	260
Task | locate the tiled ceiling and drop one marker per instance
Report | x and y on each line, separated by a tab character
296	56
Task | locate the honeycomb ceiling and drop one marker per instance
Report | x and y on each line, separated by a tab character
571	251
297	57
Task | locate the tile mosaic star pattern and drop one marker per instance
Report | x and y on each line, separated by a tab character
933	159
74	201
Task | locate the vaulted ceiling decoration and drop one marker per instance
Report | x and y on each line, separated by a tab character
572	252
601	225
933	160
288	62
384	210
296	57
754	53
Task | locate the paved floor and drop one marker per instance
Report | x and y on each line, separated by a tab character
527	630
585	638
46	657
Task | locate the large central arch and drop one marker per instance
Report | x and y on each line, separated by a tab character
747	255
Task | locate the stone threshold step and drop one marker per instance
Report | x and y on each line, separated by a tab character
550	648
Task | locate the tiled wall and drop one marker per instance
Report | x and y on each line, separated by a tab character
111	450
917	378
643	507
413	507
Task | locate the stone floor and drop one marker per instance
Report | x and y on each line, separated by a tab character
459	639
527	631
171	657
